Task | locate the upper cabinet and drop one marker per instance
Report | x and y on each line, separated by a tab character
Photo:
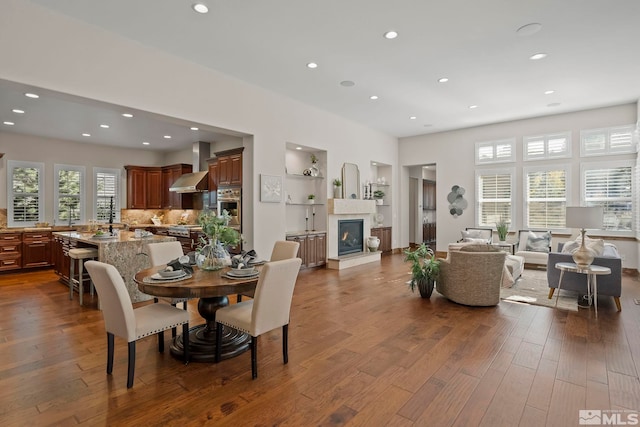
144	186
229	167
172	199
148	187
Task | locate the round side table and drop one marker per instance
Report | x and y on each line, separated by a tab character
592	272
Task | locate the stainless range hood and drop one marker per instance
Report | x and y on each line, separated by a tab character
195	182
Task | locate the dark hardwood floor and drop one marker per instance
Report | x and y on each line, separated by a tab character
363	350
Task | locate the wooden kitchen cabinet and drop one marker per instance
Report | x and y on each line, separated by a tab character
36	249
10	251
171	199
313	248
229	167
144	187
384	234
213	183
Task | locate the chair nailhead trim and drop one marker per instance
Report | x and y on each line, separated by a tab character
160	330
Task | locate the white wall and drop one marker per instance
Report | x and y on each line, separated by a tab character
68	56
453	154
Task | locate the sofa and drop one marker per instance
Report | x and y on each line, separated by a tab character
610	285
472	276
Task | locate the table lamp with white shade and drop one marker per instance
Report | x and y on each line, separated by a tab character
584	217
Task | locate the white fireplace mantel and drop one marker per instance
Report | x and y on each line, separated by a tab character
351	207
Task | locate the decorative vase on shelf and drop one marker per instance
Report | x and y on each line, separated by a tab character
314	170
337	192
373	243
213	256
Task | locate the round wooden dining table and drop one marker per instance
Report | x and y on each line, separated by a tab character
212	288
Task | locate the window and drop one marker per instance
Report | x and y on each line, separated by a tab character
68	193
494	192
609	185
546	190
600	142
496	151
25	198
106	185
554	146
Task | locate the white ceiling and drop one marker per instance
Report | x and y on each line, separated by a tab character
592	48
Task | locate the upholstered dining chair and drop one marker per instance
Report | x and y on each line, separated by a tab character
268	310
161	253
121	319
282	249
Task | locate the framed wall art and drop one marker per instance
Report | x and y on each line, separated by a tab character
270	188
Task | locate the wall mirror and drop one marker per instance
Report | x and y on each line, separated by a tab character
350	181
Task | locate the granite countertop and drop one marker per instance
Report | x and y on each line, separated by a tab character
122	237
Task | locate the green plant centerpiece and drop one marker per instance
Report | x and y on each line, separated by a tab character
502	226
212	253
337	188
425	269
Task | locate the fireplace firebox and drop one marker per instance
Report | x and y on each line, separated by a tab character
350	236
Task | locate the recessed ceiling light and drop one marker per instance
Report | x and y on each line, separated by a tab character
549	92
86	134
200	8
32	95
127	115
374	164
347	83
167	137
425	167
529	29
312	65
145	143
9	123
390	35
412	118
194	128
374	97
443	80
473	106
15	110
104	126
298	148
537	56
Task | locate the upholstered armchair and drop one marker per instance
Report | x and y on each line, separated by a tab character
534	246
472	275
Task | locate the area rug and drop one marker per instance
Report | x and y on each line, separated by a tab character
532	288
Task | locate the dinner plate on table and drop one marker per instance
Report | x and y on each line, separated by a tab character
171	274
231	274
158	277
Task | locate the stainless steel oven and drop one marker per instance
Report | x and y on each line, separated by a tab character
230	199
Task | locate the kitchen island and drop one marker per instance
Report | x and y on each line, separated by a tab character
124	251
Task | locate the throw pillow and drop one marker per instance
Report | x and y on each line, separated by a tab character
538	242
479	248
472	240
476	234
596	245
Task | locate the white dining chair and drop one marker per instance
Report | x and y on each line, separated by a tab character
282	249
268	310
161	253
121	319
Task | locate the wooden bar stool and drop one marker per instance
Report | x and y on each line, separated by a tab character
80	254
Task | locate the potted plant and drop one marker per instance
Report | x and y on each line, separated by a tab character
337	188
502	226
378	195
311	198
425	269
212	251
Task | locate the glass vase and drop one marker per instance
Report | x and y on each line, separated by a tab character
213	256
